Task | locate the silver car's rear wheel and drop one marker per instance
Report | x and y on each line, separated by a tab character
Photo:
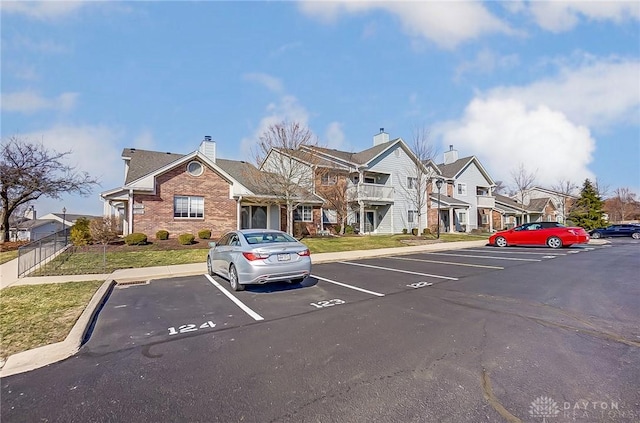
501	241
233	279
635	235
554	242
595	235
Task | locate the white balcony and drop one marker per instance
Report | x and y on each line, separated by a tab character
486	201
371	192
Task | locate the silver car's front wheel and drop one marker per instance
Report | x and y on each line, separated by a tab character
209	266
595	235
233	279
635	235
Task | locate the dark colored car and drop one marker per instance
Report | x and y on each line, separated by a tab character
552	234
629	229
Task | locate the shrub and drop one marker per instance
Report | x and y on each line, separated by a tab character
162	235
337	228
80	233
135	238
204	234
405	231
104	229
186	239
414	231
348	229
426	231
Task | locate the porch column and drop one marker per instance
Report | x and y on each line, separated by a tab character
362	217
451	221
490	220
239	214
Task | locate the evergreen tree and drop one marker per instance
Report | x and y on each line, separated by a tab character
587	211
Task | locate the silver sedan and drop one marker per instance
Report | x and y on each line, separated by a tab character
258	256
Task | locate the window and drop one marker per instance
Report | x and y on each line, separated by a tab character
412	183
195	168
189	207
412	216
329	178
462	189
485	219
330	216
303	213
462	217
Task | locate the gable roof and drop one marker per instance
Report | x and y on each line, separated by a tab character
144	162
453	170
538	204
553	192
449	201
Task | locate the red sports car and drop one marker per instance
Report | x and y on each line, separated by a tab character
553	234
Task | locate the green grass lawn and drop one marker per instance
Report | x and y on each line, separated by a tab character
6	256
36	315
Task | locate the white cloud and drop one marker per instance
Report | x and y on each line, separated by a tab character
286	108
485	62
31	102
273	84
598	94
506	132
92	149
42	10
334	136
559	16
447	24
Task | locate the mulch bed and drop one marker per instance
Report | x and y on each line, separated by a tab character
152	245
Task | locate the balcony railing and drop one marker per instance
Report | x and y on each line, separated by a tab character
370	192
486	201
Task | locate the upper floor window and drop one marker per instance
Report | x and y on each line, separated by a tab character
329	178
195	168
190	207
303	213
462	189
412	182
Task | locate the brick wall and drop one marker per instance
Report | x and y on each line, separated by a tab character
219	209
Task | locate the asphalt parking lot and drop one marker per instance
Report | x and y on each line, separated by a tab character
478	334
151	312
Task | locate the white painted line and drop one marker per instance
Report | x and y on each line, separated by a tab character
239	303
448	262
399	270
504	251
484	257
348	286
548	257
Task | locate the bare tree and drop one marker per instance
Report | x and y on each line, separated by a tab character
621	206
565	188
523	181
420	173
500	188
288	170
29	171
337	195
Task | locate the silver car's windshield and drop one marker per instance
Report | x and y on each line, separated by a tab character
267	237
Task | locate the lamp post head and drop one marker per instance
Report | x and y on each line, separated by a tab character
438	184
64	210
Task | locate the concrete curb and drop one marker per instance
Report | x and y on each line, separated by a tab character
48	354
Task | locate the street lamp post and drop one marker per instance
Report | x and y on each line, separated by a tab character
64	224
439	186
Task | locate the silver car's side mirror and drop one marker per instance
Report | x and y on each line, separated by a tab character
212	244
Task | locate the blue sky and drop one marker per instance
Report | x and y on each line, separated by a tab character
552	85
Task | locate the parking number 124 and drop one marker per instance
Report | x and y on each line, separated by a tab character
190	328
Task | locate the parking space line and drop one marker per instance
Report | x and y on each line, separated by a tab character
512	252
399	270
239	303
448	262
491	257
348	286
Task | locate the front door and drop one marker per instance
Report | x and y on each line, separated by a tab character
369	223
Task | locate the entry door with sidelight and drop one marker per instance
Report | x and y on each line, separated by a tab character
369	223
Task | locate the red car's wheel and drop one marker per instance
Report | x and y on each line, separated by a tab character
501	241
554	242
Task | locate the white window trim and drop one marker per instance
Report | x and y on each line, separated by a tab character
200	170
190	207
412	182
461	215
300	214
412	216
462	187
